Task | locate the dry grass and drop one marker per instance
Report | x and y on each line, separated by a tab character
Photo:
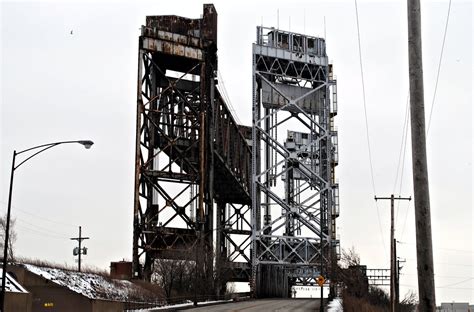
353	304
65	267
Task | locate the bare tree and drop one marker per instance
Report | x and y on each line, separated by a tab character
174	276
409	302
349	258
165	274
11	238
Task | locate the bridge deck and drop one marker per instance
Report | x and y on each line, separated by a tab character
300	305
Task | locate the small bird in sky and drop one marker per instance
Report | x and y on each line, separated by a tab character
71	32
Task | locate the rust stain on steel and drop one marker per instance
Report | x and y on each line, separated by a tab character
202	164
172	48
183	30
209	23
175	24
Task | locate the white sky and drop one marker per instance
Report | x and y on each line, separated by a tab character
56	86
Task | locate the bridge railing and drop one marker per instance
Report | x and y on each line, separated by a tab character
131	306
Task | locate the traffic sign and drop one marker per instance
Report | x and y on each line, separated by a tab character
320	280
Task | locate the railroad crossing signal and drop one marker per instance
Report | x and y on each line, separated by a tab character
320	280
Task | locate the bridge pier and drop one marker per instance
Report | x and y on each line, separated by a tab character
273	282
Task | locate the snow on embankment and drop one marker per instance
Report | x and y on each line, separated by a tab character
92	286
335	305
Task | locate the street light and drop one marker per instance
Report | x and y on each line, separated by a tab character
87	144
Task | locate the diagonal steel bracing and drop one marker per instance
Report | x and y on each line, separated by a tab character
293	161
192	160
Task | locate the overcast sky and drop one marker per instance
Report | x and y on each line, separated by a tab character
57	86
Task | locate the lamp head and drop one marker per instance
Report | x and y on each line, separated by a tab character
87	143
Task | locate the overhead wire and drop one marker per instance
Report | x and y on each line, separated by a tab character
439	67
458	288
446	263
223	90
40	228
439	248
364	100
401	157
46	219
402	145
367	123
40	217
437	276
454	284
402	171
41	232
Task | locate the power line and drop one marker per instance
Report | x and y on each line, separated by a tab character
446	263
438	276
440	248
457	288
454	284
364	100
405	222
40	228
367	124
402	145
38	216
402	171
401	158
45	219
439	67
40	232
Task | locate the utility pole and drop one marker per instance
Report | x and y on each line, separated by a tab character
80	250
393	269
424	245
396	275
399	268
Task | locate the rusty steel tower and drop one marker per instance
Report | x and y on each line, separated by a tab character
295	198
192	165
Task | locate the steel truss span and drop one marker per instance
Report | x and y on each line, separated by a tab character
295	198
192	169
251	204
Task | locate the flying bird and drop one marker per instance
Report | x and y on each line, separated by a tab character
71	32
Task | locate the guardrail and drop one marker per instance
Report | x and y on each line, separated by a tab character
131	306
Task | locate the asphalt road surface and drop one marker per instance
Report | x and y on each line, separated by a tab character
263	305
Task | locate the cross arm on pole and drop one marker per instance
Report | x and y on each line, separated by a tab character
390	198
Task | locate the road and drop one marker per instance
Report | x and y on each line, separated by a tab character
263	305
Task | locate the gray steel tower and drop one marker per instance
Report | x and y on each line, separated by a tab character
295	199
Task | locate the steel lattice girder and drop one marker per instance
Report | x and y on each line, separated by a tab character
295	87
190	152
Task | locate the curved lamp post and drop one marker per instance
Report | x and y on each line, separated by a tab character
87	144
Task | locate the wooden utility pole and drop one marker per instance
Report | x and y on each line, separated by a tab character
393	267
399	268
424	248
80	252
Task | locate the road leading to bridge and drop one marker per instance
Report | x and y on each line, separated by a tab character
274	305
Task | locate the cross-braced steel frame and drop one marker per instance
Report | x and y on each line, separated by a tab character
192	169
294	192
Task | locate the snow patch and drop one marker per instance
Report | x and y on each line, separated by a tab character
335	305
11	285
92	286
